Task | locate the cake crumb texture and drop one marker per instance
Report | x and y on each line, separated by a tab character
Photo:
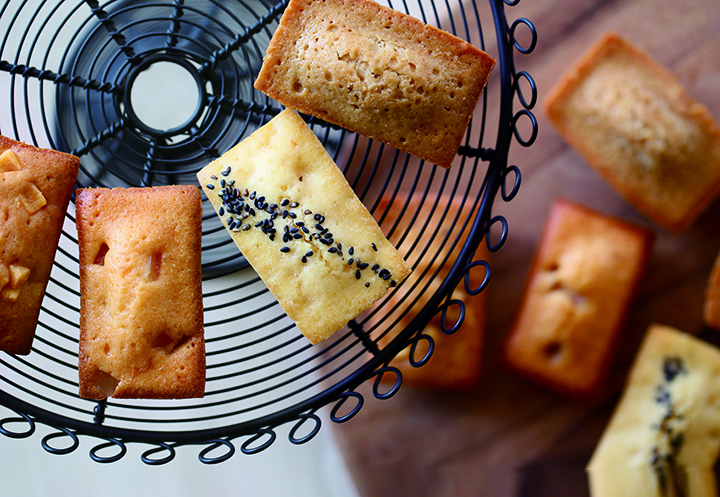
298	222
377	72
35	189
582	281
634	123
141	312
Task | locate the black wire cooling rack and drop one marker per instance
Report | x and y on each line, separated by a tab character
68	70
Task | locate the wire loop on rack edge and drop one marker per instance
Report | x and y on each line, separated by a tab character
246	446
533	32
416	363
443	316
62	432
315	430
147	459
503	233
379	374
508	196
214	444
23	418
486	279
111	442
342	399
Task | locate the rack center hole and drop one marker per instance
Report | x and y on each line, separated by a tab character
165	96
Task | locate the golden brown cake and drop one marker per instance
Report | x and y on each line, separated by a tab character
664	437
581	283
35	188
456	360
378	72
141	307
712	297
295	218
634	123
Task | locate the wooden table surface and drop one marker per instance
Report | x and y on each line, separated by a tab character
508	437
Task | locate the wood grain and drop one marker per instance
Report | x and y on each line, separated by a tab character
508	437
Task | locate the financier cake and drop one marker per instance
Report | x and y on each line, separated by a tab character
378	72
664	436
299	224
582	281
456	360
635	124
141	307
35	188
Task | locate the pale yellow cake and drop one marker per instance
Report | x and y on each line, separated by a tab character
302	228
664	437
378	72
141	306
35	188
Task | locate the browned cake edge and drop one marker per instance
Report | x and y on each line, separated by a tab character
19	322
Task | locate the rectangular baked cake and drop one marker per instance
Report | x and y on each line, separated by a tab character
664	436
141	306
634	123
299	224
431	245
711	309
582	281
35	188
378	72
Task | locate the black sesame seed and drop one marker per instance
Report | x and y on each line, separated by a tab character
213	177
376	267
294	230
393	283
304	259
318	227
351	250
317	217
292	215
285	202
300	224
221	211
332	250
297	236
246	227
305	230
258	224
374	246
367	285
387	276
222	183
363	265
252	195
339	246
294	204
357	274
307	212
274	215
273	206
309	253
210	186
231	182
261	199
350	261
286	238
246	192
383	273
285	214
285	249
226	171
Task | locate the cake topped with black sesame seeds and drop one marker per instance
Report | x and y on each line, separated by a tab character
664	436
291	211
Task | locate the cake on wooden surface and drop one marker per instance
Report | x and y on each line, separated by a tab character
141	307
35	188
299	224
432	243
378	72
581	283
635	124
664	437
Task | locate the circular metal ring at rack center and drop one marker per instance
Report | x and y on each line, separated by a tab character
70	71
130	87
